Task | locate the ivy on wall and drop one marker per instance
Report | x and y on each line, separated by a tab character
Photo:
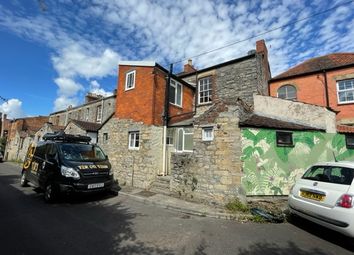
272	170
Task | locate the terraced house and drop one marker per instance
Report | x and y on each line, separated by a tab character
196	152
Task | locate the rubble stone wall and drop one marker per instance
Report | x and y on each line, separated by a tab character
137	168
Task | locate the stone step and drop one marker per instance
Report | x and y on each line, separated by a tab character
161	185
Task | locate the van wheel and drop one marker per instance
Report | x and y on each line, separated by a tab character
23	181
50	193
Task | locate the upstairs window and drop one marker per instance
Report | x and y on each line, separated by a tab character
175	93
287	92
134	140
345	91
204	90
130	80
99	113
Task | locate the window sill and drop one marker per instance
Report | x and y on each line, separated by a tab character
125	89
133	149
176	105
345	103
205	104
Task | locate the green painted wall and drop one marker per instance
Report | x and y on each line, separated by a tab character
272	170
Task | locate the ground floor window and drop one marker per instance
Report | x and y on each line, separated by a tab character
170	136
184	140
284	139
207	134
349	141
134	140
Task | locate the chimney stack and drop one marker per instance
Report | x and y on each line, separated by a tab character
189	68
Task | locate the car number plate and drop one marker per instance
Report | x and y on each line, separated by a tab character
313	196
95	185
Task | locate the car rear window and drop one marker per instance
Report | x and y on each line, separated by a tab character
331	174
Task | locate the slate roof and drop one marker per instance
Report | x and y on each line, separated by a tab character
313	65
267	122
87	126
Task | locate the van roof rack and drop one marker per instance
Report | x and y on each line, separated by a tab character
61	136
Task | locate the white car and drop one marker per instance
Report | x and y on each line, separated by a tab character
325	195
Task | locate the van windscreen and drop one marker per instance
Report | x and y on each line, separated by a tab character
81	152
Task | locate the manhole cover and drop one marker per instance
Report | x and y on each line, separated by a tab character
145	193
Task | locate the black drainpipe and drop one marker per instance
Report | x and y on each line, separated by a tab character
326	88
167	97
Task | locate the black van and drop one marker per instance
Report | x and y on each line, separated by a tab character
65	163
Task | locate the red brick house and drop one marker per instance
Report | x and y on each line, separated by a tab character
325	81
134	138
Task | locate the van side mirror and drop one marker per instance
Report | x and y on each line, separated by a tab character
106	157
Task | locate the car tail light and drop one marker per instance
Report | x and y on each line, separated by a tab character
345	201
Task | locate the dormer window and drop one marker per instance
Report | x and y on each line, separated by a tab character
287	92
130	80
204	90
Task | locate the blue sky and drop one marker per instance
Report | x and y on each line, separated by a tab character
55	51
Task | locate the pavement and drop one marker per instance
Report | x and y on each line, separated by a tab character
179	205
176	204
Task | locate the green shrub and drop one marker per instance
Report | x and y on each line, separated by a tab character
237	206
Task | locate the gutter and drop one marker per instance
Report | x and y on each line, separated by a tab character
326	88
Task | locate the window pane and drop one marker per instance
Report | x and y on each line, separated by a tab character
188	142
179	94
180	140
172	95
287	92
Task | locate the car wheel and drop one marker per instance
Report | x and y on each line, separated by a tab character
23	181
50	193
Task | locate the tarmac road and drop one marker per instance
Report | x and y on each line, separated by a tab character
120	225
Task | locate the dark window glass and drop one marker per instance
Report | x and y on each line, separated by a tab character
334	174
284	139
40	151
349	140
287	92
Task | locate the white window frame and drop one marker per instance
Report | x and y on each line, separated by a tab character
184	134
344	90
210	90
132	140
205	137
287	98
126	80
99	113
174	84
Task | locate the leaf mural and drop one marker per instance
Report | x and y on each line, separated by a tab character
272	170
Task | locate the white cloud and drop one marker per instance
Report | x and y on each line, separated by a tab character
67	87
88	40
95	88
74	61
13	108
62	102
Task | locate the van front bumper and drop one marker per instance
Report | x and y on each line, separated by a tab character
79	187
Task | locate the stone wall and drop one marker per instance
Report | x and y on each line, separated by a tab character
79	113
73	129
137	168
239	80
212	173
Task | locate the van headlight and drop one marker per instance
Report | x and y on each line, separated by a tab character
69	172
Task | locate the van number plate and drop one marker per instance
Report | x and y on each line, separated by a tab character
95	185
